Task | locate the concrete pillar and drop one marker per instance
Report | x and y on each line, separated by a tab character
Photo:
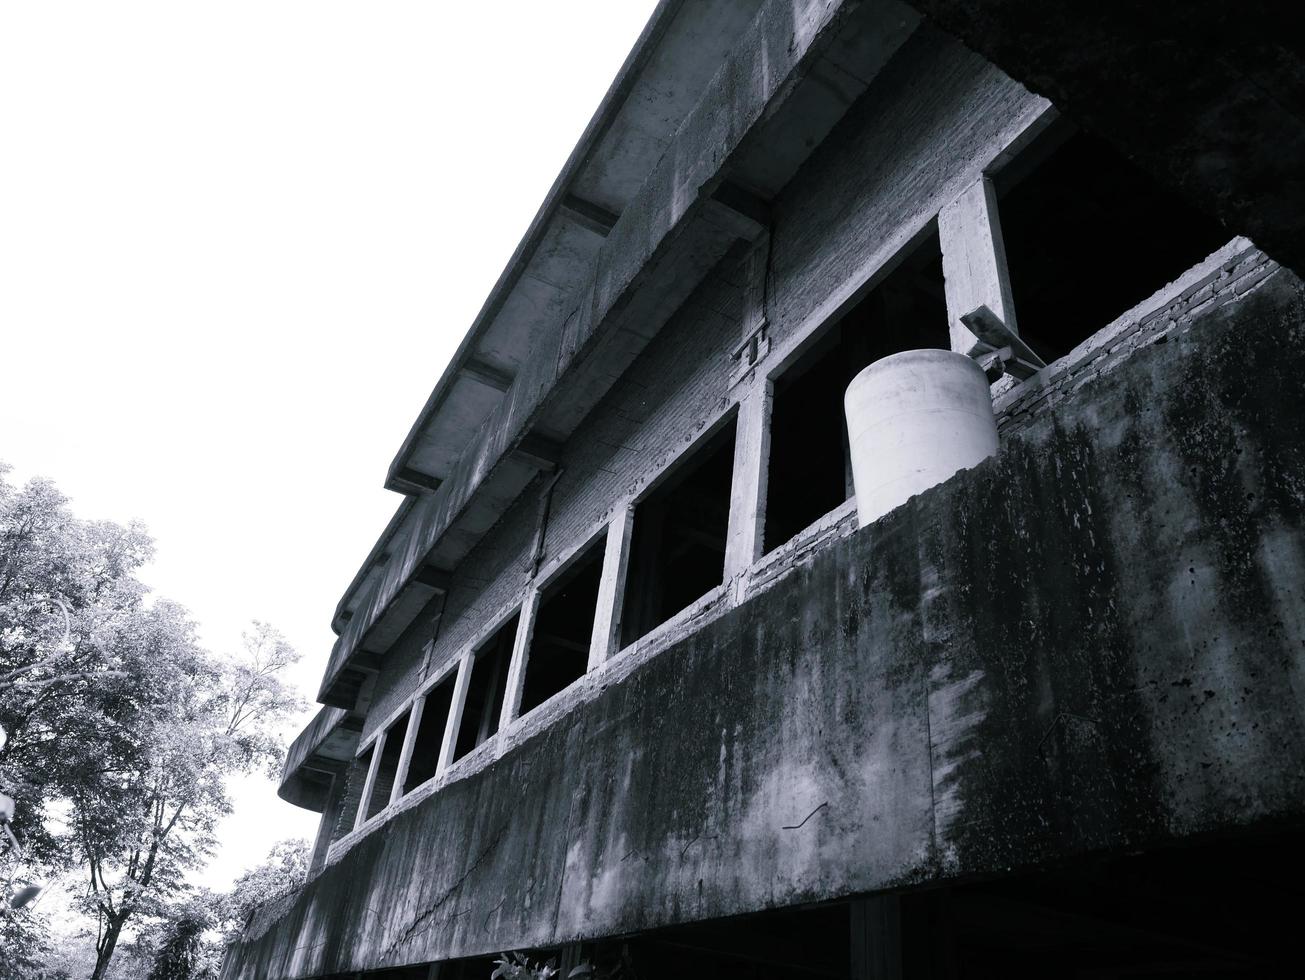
520	655
611	589
405	755
364	804
913	420
748	490
974	262
330	818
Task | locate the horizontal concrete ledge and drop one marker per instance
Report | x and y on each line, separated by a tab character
1089	643
685	218
321	749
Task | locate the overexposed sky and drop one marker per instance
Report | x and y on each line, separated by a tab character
239	241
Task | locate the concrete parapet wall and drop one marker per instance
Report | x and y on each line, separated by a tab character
1091	642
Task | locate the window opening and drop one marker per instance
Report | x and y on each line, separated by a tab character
430	734
1089	236
389	766
564	623
677	548
810	466
486	688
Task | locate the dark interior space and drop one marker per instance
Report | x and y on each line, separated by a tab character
389	767
1088	236
485	690
677	551
430	733
810	470
564	622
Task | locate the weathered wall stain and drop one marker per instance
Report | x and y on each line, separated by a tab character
1092	642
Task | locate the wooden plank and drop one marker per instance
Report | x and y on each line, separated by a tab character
611	588
974	262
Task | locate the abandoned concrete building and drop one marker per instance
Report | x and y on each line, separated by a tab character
861	534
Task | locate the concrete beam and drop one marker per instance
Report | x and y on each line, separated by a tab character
1203	95
587	214
974	262
486	374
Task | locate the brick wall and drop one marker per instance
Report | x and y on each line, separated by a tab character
841	211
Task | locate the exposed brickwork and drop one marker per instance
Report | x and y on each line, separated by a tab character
1150	322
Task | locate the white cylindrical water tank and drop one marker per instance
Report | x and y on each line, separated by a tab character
913	420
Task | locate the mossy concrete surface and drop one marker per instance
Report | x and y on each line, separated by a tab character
1093	642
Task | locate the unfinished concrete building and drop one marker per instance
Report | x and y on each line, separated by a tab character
691	650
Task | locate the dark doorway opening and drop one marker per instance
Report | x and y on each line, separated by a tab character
564	623
1088	236
486	688
389	767
430	733
810	470
677	549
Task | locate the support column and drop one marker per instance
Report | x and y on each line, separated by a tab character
459	701
876	938
364	802
326	828
405	754
974	262
520	653
748	490
611	589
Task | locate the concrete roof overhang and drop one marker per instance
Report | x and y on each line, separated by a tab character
791	72
680	48
321	750
1207	96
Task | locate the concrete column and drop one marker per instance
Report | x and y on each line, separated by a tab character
913	420
747	519
520	654
364	803
974	262
459	701
611	588
405	754
326	828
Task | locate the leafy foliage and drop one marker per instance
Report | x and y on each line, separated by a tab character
122	730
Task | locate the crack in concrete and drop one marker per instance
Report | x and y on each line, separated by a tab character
415	926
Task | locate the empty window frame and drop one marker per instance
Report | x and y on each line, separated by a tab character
486	688
389	766
810	468
429	739
1088	236
677	547
558	654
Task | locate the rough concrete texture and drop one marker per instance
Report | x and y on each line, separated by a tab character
1207	96
1093	641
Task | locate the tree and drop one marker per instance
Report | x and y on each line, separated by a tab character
185	952
115	714
284	869
147	823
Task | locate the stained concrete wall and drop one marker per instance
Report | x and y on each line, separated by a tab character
1091	642
926	127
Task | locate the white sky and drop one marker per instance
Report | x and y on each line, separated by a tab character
239	240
